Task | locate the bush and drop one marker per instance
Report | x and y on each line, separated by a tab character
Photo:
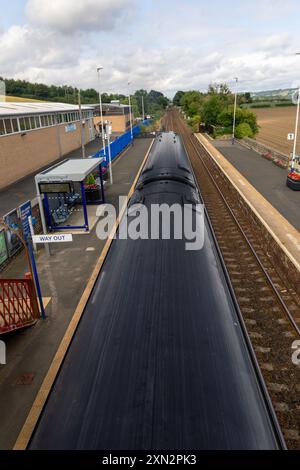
194	122
225	118
243	130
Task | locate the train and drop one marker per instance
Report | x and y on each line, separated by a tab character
159	360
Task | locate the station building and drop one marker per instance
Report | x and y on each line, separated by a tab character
34	134
115	112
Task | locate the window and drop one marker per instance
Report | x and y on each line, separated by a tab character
27	124
15	126
32	122
44	122
37	122
8	126
2	129
22	124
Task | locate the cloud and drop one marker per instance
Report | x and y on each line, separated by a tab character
70	16
154	45
276	42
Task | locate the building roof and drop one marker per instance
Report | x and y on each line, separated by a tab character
110	105
22	108
76	169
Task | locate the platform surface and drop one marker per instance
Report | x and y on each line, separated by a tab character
266	177
262	184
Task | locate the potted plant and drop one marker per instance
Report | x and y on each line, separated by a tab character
91	189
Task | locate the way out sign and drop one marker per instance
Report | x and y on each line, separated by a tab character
55	238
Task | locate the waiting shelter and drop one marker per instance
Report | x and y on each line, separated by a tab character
66	186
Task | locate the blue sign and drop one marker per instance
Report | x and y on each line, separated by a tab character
70	127
24	213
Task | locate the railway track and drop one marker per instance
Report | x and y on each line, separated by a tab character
270	308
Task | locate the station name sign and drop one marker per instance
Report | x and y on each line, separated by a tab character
55	238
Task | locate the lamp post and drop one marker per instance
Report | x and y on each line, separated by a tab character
234	111
143	108
296	132
82	128
296	128
130	113
99	68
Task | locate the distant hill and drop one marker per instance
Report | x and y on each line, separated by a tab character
281	93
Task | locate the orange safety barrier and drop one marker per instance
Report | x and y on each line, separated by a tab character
18	304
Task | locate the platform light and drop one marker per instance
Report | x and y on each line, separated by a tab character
234	111
296	128
99	68
130	113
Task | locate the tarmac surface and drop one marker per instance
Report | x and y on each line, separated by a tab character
63	277
267	178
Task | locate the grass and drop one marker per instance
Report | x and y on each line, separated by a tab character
11	99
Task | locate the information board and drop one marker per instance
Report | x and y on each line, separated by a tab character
55	188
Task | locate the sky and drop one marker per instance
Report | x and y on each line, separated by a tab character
167	45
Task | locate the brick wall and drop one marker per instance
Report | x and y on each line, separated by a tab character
23	155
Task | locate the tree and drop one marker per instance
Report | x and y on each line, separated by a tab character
211	109
191	101
177	98
248	97
225	118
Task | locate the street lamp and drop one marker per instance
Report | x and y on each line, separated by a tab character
234	112
130	113
143	108
296	129
101	111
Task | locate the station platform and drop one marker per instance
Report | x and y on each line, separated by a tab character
63	277
267	178
262	186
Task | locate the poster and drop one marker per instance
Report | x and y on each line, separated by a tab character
3	248
13	242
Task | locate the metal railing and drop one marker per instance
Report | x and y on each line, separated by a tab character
18	304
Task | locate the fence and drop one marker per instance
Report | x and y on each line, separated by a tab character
274	155
18	304
121	142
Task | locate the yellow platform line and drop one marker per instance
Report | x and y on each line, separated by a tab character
42	395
